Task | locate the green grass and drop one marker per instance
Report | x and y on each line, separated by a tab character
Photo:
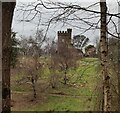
22	88
85	77
56	103
61	104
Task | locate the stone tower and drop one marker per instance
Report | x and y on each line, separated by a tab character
64	39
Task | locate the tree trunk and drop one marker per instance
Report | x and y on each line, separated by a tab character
7	15
118	74
1	57
104	57
65	77
34	88
118	61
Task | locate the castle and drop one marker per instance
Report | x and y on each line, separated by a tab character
64	42
64	39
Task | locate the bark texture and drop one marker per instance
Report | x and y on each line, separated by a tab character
118	74
118	61
7	15
104	58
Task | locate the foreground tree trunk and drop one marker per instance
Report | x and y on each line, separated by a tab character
118	62
104	57
1	57
118	74
7	15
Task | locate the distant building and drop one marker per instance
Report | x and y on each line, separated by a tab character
90	51
80	53
64	40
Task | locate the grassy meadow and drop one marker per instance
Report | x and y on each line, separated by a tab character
79	94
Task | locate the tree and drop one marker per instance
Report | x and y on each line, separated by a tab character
80	41
33	71
90	51
65	55
33	47
104	58
7	15
15	49
32	65
31	68
118	73
118	60
113	53
67	59
53	65
24	46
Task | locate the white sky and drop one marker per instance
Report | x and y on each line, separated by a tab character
30	28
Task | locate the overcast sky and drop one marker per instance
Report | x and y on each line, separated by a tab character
28	29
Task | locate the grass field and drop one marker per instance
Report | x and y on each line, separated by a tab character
80	96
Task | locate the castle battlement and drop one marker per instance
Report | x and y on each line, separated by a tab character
68	32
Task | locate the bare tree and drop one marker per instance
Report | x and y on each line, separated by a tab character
32	65
64	55
104	58
34	70
54	77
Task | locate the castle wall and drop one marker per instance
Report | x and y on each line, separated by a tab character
64	39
